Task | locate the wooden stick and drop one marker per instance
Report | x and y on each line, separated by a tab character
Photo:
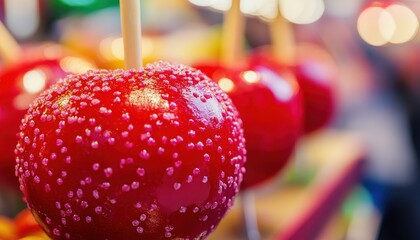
250	215
131	32
233	31
9	48
283	40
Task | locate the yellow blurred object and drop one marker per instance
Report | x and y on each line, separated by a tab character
76	65
23	227
36	237
111	51
166	27
203	43
7	229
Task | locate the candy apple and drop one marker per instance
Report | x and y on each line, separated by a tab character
40	66
21	83
269	103
155	153
316	74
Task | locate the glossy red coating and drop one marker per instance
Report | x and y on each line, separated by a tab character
152	154
318	94
316	74
14	102
271	108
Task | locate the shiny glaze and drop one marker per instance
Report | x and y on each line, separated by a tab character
318	95
271	109
316	74
152	154
14	102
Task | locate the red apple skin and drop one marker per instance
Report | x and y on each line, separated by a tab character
271	110
46	58
14	102
318	95
157	153
316	74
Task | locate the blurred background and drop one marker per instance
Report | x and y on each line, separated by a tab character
371	46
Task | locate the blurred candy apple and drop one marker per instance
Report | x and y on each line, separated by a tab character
269	103
316	74
22	81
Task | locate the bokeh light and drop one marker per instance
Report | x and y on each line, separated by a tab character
368	25
112	48
226	84
34	81
296	11
302	11
117	48
75	65
406	23
395	23
250	76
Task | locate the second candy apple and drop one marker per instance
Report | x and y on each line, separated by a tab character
21	83
40	66
316	74
270	105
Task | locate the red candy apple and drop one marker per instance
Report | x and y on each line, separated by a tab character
270	106
39	67
150	154
316	73
21	83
